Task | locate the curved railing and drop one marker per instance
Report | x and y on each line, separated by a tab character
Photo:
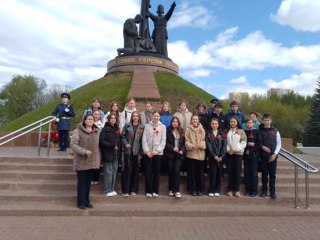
29	128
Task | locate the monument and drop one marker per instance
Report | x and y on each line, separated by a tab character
140	50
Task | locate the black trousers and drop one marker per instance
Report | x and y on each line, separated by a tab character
63	139
96	175
174	173
234	172
195	175
83	187
130	174
268	170
251	172
215	174
152	173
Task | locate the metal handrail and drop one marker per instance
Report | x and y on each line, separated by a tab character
29	128
307	167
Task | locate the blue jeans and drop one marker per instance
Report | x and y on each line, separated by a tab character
109	175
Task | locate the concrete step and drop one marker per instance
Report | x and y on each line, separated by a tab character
67	185
36	167
149	208
43	175
68	160
31	197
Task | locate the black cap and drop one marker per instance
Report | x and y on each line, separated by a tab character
214	100
65	95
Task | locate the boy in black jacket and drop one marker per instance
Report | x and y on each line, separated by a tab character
251	159
271	145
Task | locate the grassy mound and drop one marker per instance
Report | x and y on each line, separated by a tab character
111	87
116	86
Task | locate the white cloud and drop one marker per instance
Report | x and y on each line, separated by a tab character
303	83
302	15
240	80
192	16
253	52
197	73
61	41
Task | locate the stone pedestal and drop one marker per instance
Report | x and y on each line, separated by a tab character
142	61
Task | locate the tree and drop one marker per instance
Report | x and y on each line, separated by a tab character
312	131
21	95
55	91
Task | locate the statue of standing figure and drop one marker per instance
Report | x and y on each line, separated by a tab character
135	42
160	33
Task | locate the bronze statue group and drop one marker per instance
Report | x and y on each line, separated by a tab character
177	144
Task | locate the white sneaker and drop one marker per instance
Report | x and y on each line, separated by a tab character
125	194
217	194
109	194
171	193
114	193
154	195
148	195
133	194
177	195
210	194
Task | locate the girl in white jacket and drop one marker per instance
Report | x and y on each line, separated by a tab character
153	144
236	143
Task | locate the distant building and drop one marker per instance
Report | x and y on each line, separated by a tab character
279	92
237	96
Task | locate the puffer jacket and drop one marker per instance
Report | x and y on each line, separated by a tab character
154	138
195	136
81	141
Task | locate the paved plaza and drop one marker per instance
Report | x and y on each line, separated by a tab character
131	228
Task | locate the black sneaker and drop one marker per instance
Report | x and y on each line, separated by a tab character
263	194
82	207
273	195
89	205
253	194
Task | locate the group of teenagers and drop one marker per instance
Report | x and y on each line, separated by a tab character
205	140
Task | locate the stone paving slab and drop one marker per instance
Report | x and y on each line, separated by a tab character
146	228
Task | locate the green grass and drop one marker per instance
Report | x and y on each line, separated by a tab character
174	89
116	86
113	86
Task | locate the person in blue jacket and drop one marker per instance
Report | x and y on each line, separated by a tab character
64	112
234	112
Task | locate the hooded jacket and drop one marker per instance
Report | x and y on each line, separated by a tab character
195	136
81	141
154	138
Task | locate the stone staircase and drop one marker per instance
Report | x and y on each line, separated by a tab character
43	186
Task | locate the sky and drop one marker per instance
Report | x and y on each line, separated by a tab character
221	46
